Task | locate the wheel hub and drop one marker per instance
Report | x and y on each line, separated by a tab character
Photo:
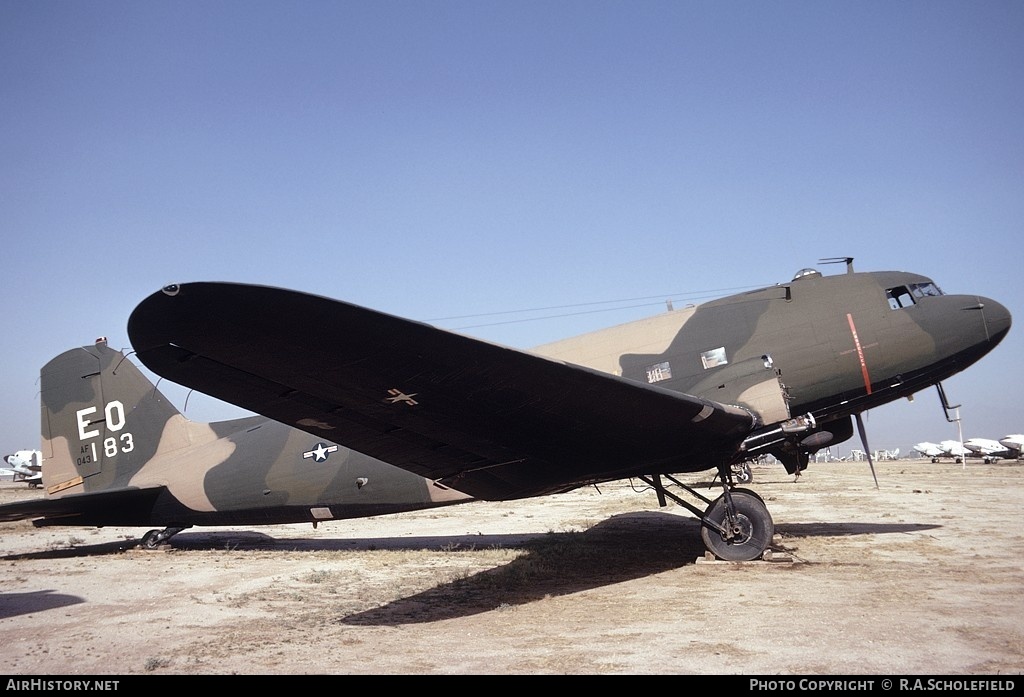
740	531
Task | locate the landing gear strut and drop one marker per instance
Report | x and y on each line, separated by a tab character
154	538
735	527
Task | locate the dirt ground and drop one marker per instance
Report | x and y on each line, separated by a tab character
924	575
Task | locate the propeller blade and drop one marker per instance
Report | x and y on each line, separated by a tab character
867	450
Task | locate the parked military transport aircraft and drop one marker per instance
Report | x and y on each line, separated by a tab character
784	370
116	452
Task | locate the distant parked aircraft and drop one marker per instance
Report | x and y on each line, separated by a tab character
1015	443
987	449
946	449
25	466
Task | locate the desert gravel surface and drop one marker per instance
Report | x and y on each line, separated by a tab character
923	575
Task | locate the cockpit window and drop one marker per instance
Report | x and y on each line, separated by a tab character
903	296
921	290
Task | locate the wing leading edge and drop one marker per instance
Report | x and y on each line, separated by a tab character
494	422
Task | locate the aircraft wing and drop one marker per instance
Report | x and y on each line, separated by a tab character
491	421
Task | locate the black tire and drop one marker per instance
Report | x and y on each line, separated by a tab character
749	492
754	523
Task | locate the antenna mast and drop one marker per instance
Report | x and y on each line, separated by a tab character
839	260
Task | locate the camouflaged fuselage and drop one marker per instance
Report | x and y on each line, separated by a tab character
107	429
828	345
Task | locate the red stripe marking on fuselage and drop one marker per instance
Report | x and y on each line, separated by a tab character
860	354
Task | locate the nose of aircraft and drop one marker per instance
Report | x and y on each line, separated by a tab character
997	319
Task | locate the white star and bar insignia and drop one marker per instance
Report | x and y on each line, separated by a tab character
320	452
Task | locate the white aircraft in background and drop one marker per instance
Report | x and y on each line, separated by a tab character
1014	443
25	466
988	449
947	448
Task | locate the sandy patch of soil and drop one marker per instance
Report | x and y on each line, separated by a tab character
924	575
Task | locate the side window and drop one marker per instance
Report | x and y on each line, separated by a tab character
713	358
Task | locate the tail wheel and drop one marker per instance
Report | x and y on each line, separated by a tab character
154	538
748	534
742	473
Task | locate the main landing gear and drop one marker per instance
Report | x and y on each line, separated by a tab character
155	538
735	527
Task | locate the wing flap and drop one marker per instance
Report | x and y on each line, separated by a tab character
488	420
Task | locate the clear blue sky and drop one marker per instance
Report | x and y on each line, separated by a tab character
438	159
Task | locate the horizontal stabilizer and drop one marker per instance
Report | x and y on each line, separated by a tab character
121	507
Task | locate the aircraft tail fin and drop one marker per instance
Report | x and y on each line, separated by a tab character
102	420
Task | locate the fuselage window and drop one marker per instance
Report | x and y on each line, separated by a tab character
713	358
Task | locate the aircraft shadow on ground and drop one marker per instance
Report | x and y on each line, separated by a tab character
798	530
622	548
75	551
14	604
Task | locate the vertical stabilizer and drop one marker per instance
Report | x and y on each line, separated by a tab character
102	420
